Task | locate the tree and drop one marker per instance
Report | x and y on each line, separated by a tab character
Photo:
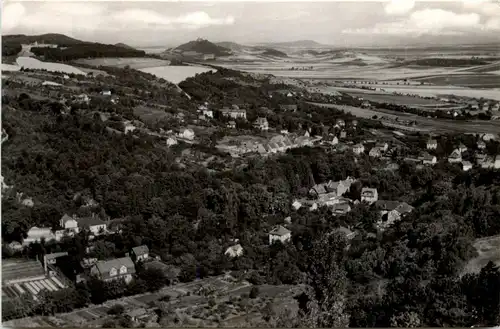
254	292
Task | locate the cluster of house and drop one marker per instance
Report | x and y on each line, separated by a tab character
376	152
482	160
69	226
486	106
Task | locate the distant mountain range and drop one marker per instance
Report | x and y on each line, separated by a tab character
49	38
294	44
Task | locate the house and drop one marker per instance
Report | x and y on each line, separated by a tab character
231	125
391	211
365	104
339	123
318	190
354	123
429	159
261	123
369	195
140	253
481	145
128	126
375	152
432	144
343	134
455	157
383	146
119	268
474	105
94	224
480	158
106	92
234	112
331	140
281	234
171	141
234	251
51	259
208	113
207	57
488	137
296	205
69	224
358	148
36	234
497	162
341	208
486	107
136	314
466	165
495	107
186	133
462	148
487	163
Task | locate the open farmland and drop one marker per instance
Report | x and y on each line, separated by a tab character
32	63
488	249
465	80
439	125
176	74
133	62
396	99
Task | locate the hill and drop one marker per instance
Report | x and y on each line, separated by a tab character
49	38
203	47
122	45
273	52
232	46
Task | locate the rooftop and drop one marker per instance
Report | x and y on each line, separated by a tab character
280	230
14	269
140	250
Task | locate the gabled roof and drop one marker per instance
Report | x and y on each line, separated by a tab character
56	255
319	188
455	154
66	218
90	221
341	207
104	267
466	163
404	208
140	250
280	231
432	141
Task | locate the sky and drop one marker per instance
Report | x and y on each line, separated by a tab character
169	23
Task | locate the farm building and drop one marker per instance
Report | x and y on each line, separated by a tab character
20	276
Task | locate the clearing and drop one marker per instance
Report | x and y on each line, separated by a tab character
132	62
488	249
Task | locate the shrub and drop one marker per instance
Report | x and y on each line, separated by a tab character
254	292
116	309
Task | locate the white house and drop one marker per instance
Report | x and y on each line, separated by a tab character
234	112
186	133
369	195
462	148
281	234
120	268
429	159
106	92
208	113
481	145
375	153
466	165
140	253
432	144
231	125
455	157
93	224
171	141
358	148
261	123
68	223
234	251
36	234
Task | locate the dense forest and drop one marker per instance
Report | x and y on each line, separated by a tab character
85	50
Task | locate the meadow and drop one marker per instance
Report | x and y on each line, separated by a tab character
32	63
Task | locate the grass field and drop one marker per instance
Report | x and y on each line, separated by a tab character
488	249
477	80
32	63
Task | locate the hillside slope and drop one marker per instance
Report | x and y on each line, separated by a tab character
203	47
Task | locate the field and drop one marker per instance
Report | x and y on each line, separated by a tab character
396	99
150	114
477	80
488	249
175	74
472	126
232	305
133	63
32	63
